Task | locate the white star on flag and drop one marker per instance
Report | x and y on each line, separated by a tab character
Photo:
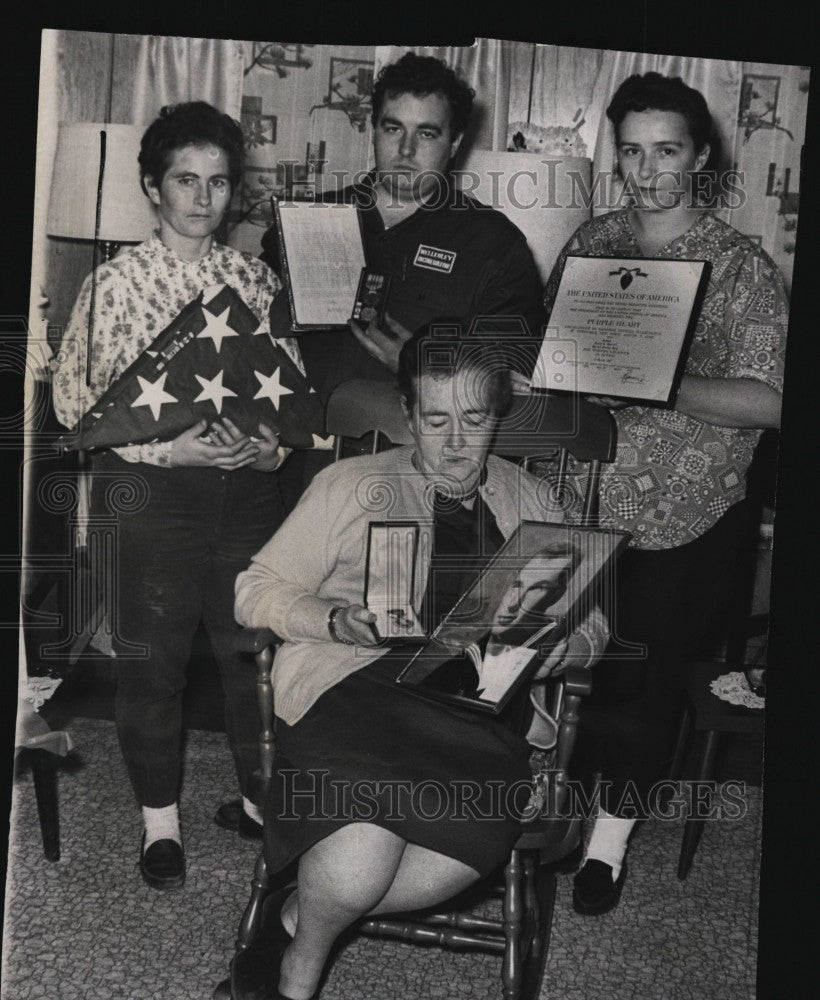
213	390
271	387
153	394
216	327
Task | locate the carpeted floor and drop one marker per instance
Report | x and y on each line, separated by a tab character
87	928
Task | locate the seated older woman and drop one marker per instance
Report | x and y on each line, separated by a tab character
364	764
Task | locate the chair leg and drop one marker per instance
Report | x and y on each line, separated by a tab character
693	828
543	886
252	917
264	697
44	773
513	922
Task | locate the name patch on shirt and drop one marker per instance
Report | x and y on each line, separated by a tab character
435	259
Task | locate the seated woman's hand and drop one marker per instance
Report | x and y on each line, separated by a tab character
191	449
353	624
555	663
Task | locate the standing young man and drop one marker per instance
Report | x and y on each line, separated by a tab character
446	253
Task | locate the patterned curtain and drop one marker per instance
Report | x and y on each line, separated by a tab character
306	116
159	70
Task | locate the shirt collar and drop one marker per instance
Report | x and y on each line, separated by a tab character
156	244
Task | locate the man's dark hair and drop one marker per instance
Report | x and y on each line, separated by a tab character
193	124
421	76
439	349
654	92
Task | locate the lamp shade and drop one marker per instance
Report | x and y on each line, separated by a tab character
83	150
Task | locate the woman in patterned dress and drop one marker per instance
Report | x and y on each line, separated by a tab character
678	481
208	499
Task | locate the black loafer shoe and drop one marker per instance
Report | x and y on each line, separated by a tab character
231	816
162	865
255	971
594	891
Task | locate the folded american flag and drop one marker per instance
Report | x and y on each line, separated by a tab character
210	363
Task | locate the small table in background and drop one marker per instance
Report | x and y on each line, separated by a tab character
42	745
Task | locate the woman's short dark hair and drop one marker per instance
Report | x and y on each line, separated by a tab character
439	350
421	76
654	92
196	123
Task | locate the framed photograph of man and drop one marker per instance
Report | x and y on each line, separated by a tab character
535	590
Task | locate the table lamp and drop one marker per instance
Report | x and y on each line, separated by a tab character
95	188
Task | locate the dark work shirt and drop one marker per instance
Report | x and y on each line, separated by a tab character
453	258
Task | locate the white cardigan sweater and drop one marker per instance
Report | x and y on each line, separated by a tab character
319	555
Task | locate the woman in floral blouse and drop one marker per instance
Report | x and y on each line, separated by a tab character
210	501
678	480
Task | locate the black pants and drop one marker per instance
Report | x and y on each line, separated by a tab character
177	558
669	606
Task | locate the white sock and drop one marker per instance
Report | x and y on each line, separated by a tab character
608	841
161	824
251	809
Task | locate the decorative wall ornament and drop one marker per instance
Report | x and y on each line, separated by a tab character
349	89
758	105
286	179
278	57
259	130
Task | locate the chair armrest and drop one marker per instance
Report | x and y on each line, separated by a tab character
577	681
254	640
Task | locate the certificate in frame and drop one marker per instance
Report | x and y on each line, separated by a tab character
321	250
621	327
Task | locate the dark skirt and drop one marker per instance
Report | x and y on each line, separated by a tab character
448	779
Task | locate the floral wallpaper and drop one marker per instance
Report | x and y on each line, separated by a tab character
306	117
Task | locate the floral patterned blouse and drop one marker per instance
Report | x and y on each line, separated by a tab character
674	476
138	294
